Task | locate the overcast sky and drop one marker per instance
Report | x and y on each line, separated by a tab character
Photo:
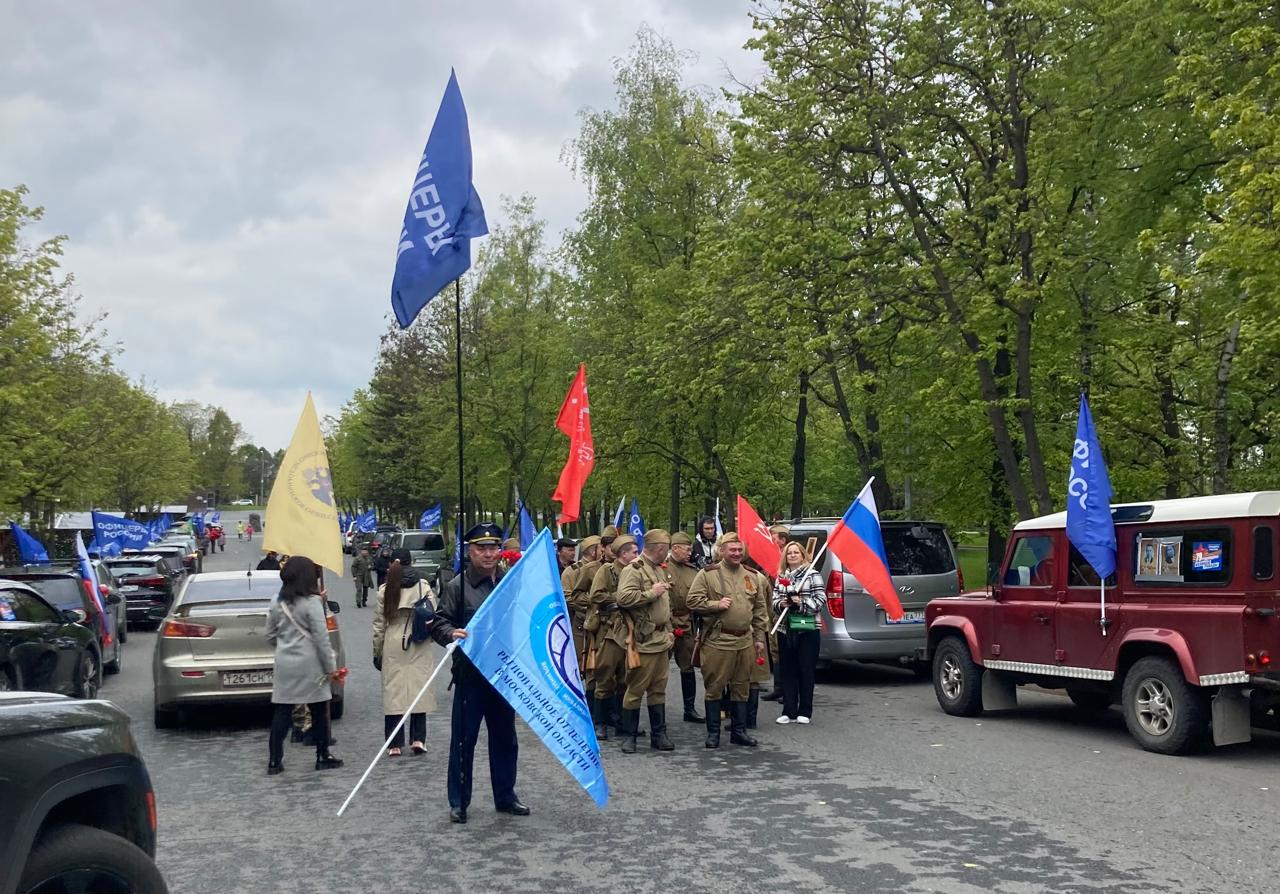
232	175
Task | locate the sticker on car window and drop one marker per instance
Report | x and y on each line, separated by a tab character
1206	555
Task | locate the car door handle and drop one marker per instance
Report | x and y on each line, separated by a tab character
1040	619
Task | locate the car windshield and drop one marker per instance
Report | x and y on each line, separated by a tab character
127	569
63	592
262	586
917	549
423	541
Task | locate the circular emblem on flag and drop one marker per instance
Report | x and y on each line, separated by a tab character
310	482
563	659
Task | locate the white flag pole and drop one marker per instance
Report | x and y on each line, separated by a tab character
448	651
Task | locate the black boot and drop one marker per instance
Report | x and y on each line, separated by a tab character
689	689
591	705
600	717
738	729
627	726
615	714
773	695
713	723
658	739
753	708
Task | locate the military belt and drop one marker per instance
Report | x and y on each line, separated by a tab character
734	631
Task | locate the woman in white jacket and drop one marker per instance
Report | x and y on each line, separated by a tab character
799	591
405	665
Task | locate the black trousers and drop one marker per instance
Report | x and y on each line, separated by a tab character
474	701
798	654
417	728
282	719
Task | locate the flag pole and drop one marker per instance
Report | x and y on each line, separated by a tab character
457	319
1102	593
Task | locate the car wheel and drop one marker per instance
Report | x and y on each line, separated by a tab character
88	675
957	679
1164	712
336	707
1090	699
81	858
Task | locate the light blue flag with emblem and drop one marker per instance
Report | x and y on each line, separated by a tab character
1089	525
635	526
443	215
431	517
521	641
30	550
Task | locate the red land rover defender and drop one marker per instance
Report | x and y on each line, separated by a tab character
1189	635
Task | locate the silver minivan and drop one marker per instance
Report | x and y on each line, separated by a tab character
922	561
427	549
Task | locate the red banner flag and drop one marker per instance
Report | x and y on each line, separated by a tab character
575	421
755	534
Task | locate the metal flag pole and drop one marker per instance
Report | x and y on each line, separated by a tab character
457	319
1102	593
448	651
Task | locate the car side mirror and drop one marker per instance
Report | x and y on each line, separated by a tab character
75	616
334	607
113	599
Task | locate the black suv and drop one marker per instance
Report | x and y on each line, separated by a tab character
66	590
77	812
44	648
147	582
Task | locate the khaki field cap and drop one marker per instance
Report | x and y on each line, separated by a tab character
609	531
588	542
512	544
657	537
624	541
680	538
780	529
728	537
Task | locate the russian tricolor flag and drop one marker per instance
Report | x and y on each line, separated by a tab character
857	542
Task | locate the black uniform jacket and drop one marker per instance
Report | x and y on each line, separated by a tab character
459	600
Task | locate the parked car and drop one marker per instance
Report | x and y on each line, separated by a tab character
212	648
1186	643
427	549
78	811
64	589
178	555
242	502
147	582
192	560
44	648
854	627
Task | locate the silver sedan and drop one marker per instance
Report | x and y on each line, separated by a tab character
211	646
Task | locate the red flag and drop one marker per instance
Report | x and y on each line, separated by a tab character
755	534
575	421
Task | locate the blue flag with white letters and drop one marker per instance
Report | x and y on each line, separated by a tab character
1089	525
366	522
30	550
431	517
635	527
443	215
521	641
197	522
112	533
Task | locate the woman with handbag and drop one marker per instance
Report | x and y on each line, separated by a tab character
304	661
798	591
405	660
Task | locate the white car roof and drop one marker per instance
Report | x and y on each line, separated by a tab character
1256	504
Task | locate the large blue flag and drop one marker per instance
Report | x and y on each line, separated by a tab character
111	533
367	522
635	526
30	550
1089	525
443	215
521	641
431	517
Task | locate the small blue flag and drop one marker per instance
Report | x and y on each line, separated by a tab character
367	522
31	550
457	548
1089	525
431	517
521	642
443	215
635	527
526	527
216	517
197	522
111	534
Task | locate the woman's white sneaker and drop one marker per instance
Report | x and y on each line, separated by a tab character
802	720
783	719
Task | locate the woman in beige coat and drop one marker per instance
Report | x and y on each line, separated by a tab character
405	665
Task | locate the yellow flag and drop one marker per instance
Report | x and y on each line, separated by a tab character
301	517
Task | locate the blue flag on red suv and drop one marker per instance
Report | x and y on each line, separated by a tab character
1089	525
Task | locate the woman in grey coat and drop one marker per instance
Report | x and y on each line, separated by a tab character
305	663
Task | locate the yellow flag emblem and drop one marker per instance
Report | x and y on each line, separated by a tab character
302	519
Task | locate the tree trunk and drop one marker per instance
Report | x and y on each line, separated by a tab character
1027	414
798	449
871	421
676	446
1221	412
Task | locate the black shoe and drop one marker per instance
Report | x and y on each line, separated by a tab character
738	728
753	708
658	739
274	768
774	695
713	723
328	762
627	724
515	808
457	814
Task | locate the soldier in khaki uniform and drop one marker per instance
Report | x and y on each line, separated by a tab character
576	581
644	599
735	605
682	572
762	672
611	635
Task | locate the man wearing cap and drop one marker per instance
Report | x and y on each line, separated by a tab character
682	573
474	699
576	581
565	548
644	588
734	601
611	637
607	536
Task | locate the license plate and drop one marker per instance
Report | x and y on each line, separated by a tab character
130	589
246	678
907	618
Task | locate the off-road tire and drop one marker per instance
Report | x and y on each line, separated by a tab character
957	678
1188	705
1090	699
74	848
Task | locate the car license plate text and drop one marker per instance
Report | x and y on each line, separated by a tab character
246	678
916	617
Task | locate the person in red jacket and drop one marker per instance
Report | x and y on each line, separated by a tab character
216	539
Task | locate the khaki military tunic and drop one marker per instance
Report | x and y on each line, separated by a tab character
763	673
681	618
576	581
611	636
650	616
729	635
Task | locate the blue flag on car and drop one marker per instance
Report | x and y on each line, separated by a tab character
1089	525
30	550
521	641
197	522
635	526
111	534
366	522
90	576
526	527
431	517
443	215
215	517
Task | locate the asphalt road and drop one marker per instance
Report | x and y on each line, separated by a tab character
883	792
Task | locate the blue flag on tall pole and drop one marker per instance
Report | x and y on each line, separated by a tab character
431	517
457	547
522	643
526	527
1089	525
443	215
635	526
112	533
30	550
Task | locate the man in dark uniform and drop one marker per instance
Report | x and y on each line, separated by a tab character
474	699
565	548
